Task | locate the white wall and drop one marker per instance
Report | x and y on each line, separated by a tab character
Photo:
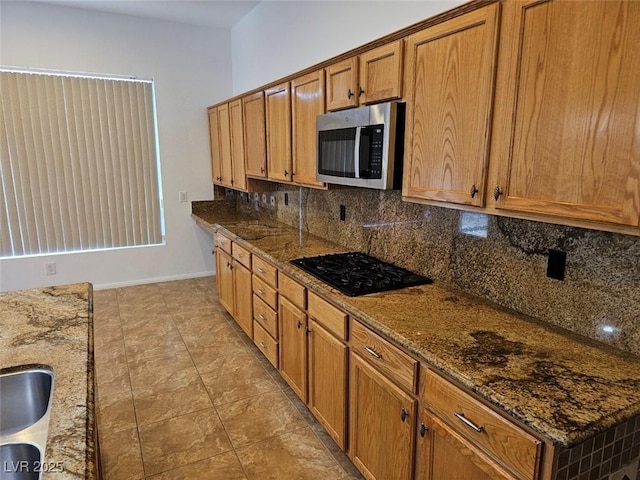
278	38
192	69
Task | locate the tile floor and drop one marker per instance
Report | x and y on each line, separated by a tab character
184	394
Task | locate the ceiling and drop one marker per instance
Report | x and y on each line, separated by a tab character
209	13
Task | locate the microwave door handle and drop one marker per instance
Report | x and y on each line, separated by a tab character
356	156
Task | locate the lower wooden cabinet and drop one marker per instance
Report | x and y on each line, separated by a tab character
242	293
443	454
328	360
381	425
224	279
293	346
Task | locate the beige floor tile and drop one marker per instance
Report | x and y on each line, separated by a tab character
160	375
120	455
257	418
207	356
297	455
148	322
116	412
200	334
236	377
109	351
142	304
112	379
201	311
221	467
182	440
156	407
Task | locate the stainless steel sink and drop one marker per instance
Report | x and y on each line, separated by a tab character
20	461
25	397
26	394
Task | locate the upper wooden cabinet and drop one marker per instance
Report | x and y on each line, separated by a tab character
372	77
278	114
449	92
224	128
567	124
238	178
255	146
214	141
307	102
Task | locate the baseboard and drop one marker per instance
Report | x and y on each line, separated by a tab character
145	281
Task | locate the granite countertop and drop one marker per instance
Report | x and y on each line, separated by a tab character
54	327
563	385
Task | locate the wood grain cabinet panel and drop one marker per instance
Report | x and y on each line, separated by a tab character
267	345
293	346
569	114
238	177
224	127
380	73
255	143
214	141
449	91
307	102
381	424
224	279
242	294
342	84
278	114
328	359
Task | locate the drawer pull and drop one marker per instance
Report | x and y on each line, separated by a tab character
423	430
261	316
260	291
467	422
261	270
263	345
403	414
299	324
372	352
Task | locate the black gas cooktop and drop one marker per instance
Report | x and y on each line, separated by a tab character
356	273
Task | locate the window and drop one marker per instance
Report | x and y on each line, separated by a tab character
78	164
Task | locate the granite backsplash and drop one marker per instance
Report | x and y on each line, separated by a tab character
498	258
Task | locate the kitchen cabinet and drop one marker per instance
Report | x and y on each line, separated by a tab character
265	304
278	125
328	367
381	424
224	130
214	141
238	178
371	77
459	437
307	102
242	288
567	121
255	146
449	93
224	279
293	346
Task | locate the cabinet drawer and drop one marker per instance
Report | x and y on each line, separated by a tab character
241	254
332	318
508	443
387	357
265	343
265	292
223	242
265	316
293	291
265	271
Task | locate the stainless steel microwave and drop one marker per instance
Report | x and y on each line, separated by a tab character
361	147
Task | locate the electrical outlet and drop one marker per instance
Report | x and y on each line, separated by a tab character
343	212
264	198
256	197
50	268
182	196
556	264
272	201
286	198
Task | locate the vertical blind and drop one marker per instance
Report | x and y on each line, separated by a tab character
78	164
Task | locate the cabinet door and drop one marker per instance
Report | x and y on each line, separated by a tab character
278	108
214	139
242	298
328	382
442	454
342	84
239	180
449	86
255	146
293	347
224	274
382	424
571	110
224	127
381	73
307	102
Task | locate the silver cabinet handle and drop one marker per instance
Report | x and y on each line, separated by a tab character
261	316
261	270
263	345
467	422
372	352
260	291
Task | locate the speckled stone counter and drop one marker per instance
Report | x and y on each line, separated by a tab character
54	327
564	386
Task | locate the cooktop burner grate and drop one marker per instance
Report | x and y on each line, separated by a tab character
356	273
